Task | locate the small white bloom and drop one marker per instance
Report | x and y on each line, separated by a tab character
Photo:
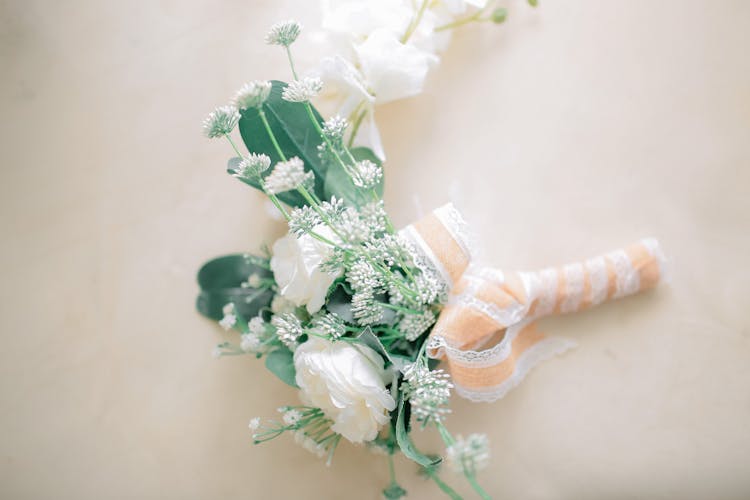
252	95
302	90
303	220
221	121
228	321
366	174
256	326
428	391
330	324
291	417
254	280
347	383
284	33
254	424
216	353
414	325
251	166
250	342
309	443
228	308
288	329
288	175
334	128
469	455
296	265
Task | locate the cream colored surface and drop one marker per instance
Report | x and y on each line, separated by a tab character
573	129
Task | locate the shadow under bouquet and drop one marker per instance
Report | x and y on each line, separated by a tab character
356	314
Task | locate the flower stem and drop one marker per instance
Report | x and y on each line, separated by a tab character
442	485
291	62
234	146
271	135
470	475
415	22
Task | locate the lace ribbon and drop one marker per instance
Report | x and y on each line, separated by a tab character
486	332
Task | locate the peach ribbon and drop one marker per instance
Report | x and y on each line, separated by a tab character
486	331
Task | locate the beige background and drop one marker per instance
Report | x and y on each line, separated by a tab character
573	129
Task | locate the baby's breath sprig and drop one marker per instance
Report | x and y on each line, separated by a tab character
310	426
467	456
428	391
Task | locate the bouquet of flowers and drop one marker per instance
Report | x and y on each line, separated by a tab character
356	314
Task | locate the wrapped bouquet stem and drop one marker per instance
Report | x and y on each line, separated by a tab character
356	314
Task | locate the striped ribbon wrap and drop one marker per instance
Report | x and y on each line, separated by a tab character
486	331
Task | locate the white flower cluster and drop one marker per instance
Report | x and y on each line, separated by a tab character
288	329
252	94
302	90
221	121
284	33
469	455
428	391
252	166
288	175
366	174
384	50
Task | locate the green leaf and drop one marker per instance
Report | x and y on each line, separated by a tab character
295	133
220	280
339	183
281	363
404	441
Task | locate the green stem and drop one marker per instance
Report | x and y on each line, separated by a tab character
460	22
415	22
234	146
474	484
442	485
470	476
271	134
291	62
358	119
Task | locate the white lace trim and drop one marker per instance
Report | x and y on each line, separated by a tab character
574	277
628	281
597	269
503	316
542	351
456	225
439	348
665	265
411	234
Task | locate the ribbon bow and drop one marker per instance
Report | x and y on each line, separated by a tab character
486	332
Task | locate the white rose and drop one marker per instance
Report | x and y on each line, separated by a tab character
347	382
296	268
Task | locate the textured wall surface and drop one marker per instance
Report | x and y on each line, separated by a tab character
571	130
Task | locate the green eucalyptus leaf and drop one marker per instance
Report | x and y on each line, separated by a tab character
220	281
338	183
405	443
281	363
295	133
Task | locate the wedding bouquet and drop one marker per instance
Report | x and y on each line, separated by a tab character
356	314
